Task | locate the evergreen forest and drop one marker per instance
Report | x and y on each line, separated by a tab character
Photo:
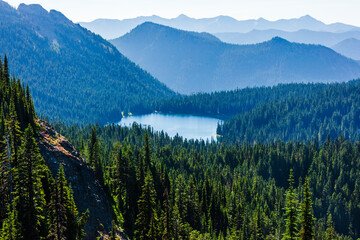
171	188
34	204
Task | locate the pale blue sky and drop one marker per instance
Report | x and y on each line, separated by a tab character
329	11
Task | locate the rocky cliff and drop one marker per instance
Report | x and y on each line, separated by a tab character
88	193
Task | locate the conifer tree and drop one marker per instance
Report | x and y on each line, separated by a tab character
11	226
166	217
291	211
330	231
307	219
146	222
93	148
58	215
147	150
30	199
94	156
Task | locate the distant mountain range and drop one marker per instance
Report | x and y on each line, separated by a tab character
111	28
73	73
327	39
349	47
330	39
196	62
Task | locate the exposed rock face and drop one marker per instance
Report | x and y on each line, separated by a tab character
88	193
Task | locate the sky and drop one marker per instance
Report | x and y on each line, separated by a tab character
328	11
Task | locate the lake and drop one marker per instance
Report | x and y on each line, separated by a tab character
187	126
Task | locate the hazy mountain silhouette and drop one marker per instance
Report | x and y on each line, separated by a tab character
190	62
328	39
349	47
109	28
73	73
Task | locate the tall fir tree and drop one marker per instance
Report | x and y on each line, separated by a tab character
330	231
11	225
94	156
307	219
147	219
30	202
291	221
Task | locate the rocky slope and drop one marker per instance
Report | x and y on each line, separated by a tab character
88	193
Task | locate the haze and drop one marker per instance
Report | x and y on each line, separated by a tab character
328	11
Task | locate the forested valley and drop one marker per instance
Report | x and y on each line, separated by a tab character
167	188
173	188
285	112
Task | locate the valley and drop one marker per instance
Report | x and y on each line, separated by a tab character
152	128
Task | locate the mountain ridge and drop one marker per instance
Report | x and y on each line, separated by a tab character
113	28
349	47
190	64
72	72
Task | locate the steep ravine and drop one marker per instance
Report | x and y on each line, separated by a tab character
88	193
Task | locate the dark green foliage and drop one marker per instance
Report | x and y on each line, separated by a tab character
73	74
291	220
147	220
27	197
330	231
332	110
194	190
65	220
307	219
227	104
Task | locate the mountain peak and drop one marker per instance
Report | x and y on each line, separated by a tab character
182	16
308	18
33	9
279	40
5	7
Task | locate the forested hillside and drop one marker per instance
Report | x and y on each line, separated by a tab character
226	104
175	189
73	74
330	111
33	204
188	62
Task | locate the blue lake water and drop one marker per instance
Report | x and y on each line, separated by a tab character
187	126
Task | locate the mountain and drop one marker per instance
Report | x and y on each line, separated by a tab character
74	74
194	62
349	47
328	39
111	28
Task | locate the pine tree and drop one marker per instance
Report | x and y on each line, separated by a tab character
307	219
146	222
330	231
29	190
291	212
147	150
94	156
166	218
58	214
11	226
93	148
